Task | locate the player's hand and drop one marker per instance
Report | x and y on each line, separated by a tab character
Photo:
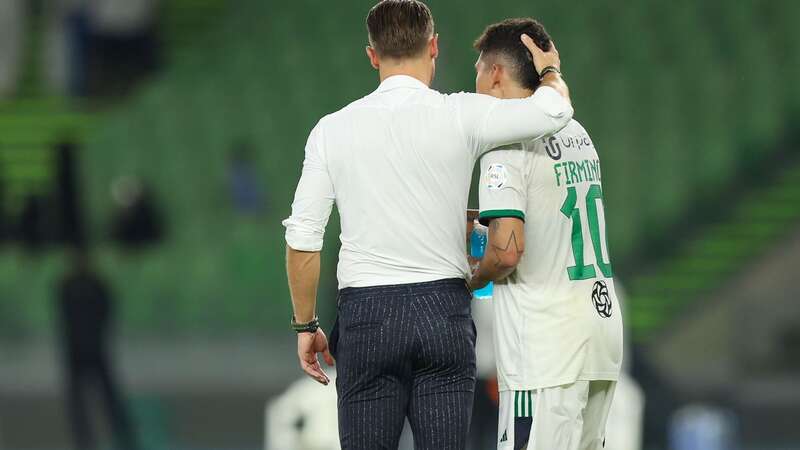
473	263
308	345
541	58
476	281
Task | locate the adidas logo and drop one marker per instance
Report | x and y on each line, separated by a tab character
505	436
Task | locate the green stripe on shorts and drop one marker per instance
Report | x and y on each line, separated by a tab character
530	404
523	404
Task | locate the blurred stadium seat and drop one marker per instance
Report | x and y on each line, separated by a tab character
693	106
678	112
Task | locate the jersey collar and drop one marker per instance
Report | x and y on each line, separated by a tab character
400	81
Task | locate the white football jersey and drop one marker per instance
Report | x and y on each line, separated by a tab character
557	319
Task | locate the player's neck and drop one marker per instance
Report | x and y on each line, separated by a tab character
415	68
516	91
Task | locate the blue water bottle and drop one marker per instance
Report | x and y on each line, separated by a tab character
477	247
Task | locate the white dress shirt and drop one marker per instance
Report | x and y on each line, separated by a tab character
398	164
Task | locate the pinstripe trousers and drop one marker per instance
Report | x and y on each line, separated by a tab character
405	351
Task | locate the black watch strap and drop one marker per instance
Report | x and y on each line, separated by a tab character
307	327
547	70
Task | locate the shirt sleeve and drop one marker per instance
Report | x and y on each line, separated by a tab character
502	191
488	122
313	199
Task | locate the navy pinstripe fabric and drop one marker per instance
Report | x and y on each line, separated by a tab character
405	351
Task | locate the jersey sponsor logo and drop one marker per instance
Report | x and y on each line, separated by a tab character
505	436
553	148
554	145
601	299
496	176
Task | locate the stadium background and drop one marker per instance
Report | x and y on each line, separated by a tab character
194	114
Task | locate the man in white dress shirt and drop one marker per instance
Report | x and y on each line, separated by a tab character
404	338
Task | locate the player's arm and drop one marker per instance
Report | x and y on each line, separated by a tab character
505	245
305	229
490	122
503	200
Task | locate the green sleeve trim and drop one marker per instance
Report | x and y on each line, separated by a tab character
485	216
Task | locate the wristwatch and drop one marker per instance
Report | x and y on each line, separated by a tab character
307	327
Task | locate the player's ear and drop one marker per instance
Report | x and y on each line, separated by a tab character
374	60
496	75
434	46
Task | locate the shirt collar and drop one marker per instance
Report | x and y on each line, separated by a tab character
400	81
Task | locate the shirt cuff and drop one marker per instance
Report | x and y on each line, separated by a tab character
485	216
302	238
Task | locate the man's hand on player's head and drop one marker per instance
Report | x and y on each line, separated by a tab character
541	58
308	345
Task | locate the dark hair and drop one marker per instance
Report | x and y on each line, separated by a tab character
399	28
503	39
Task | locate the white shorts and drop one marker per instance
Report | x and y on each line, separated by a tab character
568	417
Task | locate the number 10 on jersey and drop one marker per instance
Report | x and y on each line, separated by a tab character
570	208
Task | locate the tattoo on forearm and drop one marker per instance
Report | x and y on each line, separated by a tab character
512	240
497	260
